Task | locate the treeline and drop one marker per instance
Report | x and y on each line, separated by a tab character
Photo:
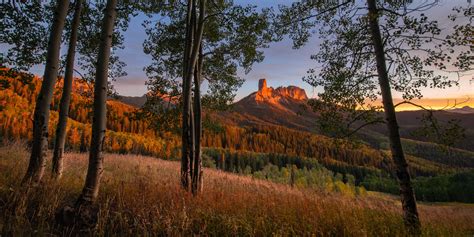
355	159
277	139
457	187
237	161
121	117
280	168
126	133
307	172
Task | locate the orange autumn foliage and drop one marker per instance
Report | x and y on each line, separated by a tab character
127	133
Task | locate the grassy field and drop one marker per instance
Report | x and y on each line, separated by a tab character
141	196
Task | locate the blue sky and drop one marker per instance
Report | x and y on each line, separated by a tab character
282	66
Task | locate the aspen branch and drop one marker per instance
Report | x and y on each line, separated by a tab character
319	14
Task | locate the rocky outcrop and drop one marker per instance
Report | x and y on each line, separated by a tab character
284	106
263	93
262	84
292	92
269	94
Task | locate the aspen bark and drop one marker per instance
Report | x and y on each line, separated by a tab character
194	34
197	169
66	95
42	109
185	136
96	157
406	190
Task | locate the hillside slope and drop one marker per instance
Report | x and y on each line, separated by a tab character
126	132
141	196
410	122
284	106
271	121
287	107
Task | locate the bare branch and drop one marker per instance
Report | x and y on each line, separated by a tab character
362	126
319	14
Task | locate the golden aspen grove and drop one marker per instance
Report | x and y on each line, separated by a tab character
236	118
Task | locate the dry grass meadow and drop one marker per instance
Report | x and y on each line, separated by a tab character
141	196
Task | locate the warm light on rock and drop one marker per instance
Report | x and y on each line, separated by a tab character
269	94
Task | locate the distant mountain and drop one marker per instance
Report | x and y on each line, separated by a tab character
287	106
284	106
410	121
135	101
463	110
275	122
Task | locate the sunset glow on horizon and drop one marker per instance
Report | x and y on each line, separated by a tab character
434	103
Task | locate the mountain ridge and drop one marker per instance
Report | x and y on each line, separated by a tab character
463	110
281	106
265	93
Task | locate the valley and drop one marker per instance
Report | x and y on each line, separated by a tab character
269	128
236	118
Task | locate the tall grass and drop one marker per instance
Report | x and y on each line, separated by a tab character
141	196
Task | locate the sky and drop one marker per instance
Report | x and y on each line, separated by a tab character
282	65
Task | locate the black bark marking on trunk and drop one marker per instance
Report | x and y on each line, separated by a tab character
197	168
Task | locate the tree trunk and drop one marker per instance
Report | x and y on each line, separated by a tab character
42	109
66	96
406	190
185	136
83	145
197	169
96	158
194	34
192	141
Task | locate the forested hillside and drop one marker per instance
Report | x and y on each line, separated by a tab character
127	133
229	144
187	159
411	123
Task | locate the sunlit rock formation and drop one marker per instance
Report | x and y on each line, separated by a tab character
269	94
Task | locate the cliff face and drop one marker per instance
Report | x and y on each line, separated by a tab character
269	94
292	92
283	106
